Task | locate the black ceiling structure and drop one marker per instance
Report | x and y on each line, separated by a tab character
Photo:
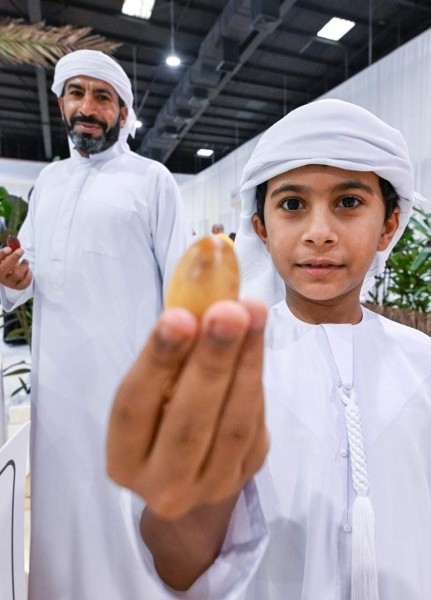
245	63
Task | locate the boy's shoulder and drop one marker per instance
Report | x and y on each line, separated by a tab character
404	338
396	327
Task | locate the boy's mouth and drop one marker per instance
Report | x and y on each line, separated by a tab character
319	267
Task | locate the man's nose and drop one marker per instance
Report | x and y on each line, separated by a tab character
88	105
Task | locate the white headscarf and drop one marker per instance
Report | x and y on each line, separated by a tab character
93	63
324	132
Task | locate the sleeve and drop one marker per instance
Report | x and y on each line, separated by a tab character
238	561
10	298
168	225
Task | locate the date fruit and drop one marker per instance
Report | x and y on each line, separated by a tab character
207	272
13	242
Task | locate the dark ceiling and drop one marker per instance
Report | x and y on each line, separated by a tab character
245	64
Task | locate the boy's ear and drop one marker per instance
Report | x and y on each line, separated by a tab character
389	228
260	230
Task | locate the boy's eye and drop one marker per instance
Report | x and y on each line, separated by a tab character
291	204
349	202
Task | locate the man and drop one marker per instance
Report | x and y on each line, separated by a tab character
105	228
217	228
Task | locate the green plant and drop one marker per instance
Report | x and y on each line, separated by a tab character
406	280
13	210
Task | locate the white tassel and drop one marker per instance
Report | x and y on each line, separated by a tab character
364	570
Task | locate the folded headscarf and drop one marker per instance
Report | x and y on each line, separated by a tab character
324	132
93	63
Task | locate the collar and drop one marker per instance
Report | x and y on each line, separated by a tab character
118	148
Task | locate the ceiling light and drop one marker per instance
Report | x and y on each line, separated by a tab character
173	60
138	8
335	29
205	152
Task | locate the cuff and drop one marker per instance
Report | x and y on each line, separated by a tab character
239	558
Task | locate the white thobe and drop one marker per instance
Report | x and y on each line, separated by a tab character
102	236
305	488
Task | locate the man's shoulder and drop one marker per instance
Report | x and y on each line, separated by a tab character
144	161
53	168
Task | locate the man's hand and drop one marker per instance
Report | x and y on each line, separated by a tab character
187	425
14	272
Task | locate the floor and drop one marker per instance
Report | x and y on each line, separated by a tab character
17	409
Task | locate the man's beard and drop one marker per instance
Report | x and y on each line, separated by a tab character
88	144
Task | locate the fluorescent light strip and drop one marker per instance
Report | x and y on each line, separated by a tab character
138	8
335	29
205	152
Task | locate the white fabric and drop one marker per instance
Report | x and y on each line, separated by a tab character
102	234
93	63
326	132
306	488
243	549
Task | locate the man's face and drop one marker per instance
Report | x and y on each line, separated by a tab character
92	114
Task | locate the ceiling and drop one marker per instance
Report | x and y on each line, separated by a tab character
245	63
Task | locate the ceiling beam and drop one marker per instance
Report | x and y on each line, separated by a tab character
248	40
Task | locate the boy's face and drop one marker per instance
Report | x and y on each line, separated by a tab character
323	226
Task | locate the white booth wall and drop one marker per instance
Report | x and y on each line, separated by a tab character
397	89
18	176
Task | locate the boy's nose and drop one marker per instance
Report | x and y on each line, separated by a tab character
320	229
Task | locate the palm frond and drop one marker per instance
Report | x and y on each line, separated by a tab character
39	45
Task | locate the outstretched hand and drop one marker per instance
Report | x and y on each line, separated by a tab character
14	272
187	424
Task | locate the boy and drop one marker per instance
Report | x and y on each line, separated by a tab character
345	491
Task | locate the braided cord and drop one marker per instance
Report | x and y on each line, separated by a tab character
356	443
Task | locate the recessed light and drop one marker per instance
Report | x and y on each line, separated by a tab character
335	29
205	152
138	8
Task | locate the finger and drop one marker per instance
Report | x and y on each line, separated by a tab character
23	282
4	252
194	410
9	261
243	413
138	404
17	277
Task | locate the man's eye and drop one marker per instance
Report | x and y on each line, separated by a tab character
349	202
292	204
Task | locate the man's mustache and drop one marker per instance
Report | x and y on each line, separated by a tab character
89	120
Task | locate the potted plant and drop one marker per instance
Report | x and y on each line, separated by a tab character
17	324
403	291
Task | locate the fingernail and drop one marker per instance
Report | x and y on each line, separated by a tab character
225	332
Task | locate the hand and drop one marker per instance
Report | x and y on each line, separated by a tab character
14	272
187	425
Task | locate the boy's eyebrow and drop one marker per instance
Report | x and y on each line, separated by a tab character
340	187
348	185
286	187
